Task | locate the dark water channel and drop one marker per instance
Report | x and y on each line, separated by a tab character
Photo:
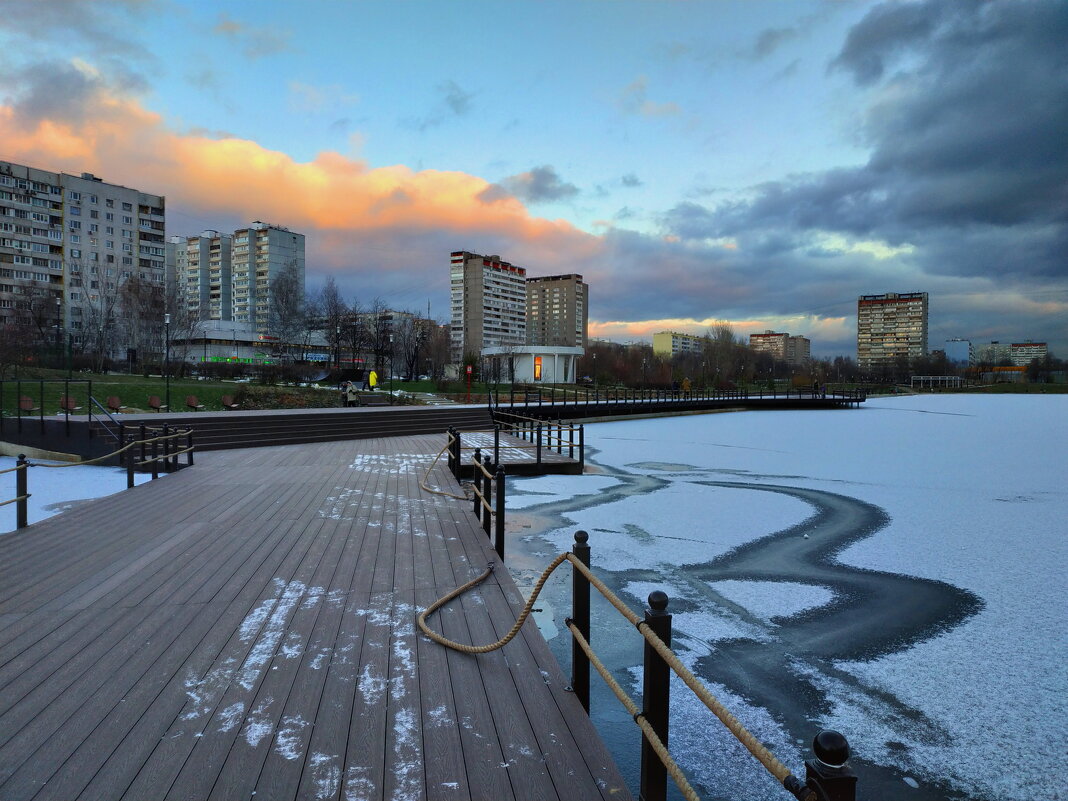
872	613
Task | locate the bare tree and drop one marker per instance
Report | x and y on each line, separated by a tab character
287	306
334	311
140	315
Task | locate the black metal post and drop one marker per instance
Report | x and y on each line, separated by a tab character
21	492
189	445
582	445
129	464
656	697
539	443
496	443
456	466
580	616
451	435
155	460
829	772
476	478
166	449
571	442
487	490
498	532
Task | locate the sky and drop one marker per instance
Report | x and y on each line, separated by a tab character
754	163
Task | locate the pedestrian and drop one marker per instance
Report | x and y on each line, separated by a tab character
373	380
343	389
352	397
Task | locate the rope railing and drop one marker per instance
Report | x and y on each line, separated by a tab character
169	457
819	774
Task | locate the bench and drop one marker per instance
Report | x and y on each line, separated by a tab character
114	404
155	403
228	402
192	403
27	406
371	399
68	404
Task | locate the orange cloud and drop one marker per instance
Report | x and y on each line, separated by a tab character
125	143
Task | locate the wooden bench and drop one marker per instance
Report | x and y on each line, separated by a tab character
192	403
371	399
228	402
27	406
114	404
155	403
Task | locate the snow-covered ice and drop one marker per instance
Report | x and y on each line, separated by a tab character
975	490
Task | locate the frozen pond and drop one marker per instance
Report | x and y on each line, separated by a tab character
895	572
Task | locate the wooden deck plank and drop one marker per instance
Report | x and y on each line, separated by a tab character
249	628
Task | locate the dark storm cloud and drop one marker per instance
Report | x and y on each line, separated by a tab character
967	132
61	92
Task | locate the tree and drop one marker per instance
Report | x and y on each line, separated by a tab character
287	306
140	317
333	311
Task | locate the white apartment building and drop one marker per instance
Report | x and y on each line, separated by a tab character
891	328
488	303
229	276
1018	354
82	260
672	343
794	350
557	311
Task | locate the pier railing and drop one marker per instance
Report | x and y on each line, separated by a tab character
541	433
156	446
540	397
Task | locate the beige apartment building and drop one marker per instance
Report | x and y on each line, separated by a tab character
488	299
557	311
69	245
891	328
672	343
199	267
794	350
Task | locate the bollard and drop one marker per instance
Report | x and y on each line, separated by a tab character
21	491
189	444
487	490
580	611
129	465
538	450
498	527
166	449
155	459
476	479
829	773
656	697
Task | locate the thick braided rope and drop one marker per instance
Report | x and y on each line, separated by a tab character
647	729
483	649
107	456
426	477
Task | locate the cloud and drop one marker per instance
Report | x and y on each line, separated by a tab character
634	100
255	42
770	39
305	98
631	180
454	102
537	185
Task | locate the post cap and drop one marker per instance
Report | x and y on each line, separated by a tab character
658	600
831	748
582	536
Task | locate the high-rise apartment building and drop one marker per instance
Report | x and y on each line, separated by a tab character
557	311
672	343
488	303
200	266
229	276
891	328
81	259
794	350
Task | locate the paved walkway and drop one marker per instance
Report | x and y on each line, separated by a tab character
245	628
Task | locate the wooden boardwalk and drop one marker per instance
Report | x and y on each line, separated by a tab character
245	629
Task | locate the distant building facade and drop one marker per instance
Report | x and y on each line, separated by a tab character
81	258
557	313
1016	354
794	350
891	328
488	299
672	343
229	276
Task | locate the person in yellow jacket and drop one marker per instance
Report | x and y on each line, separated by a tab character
373	380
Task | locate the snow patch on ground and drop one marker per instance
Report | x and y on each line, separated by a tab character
768	599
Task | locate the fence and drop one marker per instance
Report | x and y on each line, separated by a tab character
541	397
542	434
168	456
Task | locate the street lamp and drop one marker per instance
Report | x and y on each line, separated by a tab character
167	355
337	345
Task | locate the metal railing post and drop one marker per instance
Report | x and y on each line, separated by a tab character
129	465
189	445
496	443
538	450
457	450
580	616
498	528
656	697
487	491
571	442
155	459
166	449
582	445
476	479
21	492
829	773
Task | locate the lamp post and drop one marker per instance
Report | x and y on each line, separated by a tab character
337	346
167	356
594	369
59	330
